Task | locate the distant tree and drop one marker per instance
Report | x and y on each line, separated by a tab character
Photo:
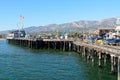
3	35
75	34
0	36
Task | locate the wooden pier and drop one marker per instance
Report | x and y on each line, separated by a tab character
90	50
61	44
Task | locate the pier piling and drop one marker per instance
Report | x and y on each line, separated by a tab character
99	62
119	68
105	59
112	64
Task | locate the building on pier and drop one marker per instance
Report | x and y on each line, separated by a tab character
16	34
117	29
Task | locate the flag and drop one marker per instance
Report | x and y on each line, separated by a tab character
21	17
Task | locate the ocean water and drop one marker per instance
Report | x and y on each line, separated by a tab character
20	63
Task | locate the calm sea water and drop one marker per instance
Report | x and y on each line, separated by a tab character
19	63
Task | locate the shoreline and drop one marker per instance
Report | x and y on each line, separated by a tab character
2	39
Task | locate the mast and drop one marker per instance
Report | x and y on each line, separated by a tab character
22	24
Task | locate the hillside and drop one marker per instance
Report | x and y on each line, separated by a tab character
72	26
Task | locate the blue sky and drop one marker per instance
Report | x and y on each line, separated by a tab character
44	12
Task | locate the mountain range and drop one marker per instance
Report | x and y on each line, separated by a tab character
71	26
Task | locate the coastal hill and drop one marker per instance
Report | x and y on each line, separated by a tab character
71	26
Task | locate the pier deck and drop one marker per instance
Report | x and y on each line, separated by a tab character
58	40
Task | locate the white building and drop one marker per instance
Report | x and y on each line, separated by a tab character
66	36
117	29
